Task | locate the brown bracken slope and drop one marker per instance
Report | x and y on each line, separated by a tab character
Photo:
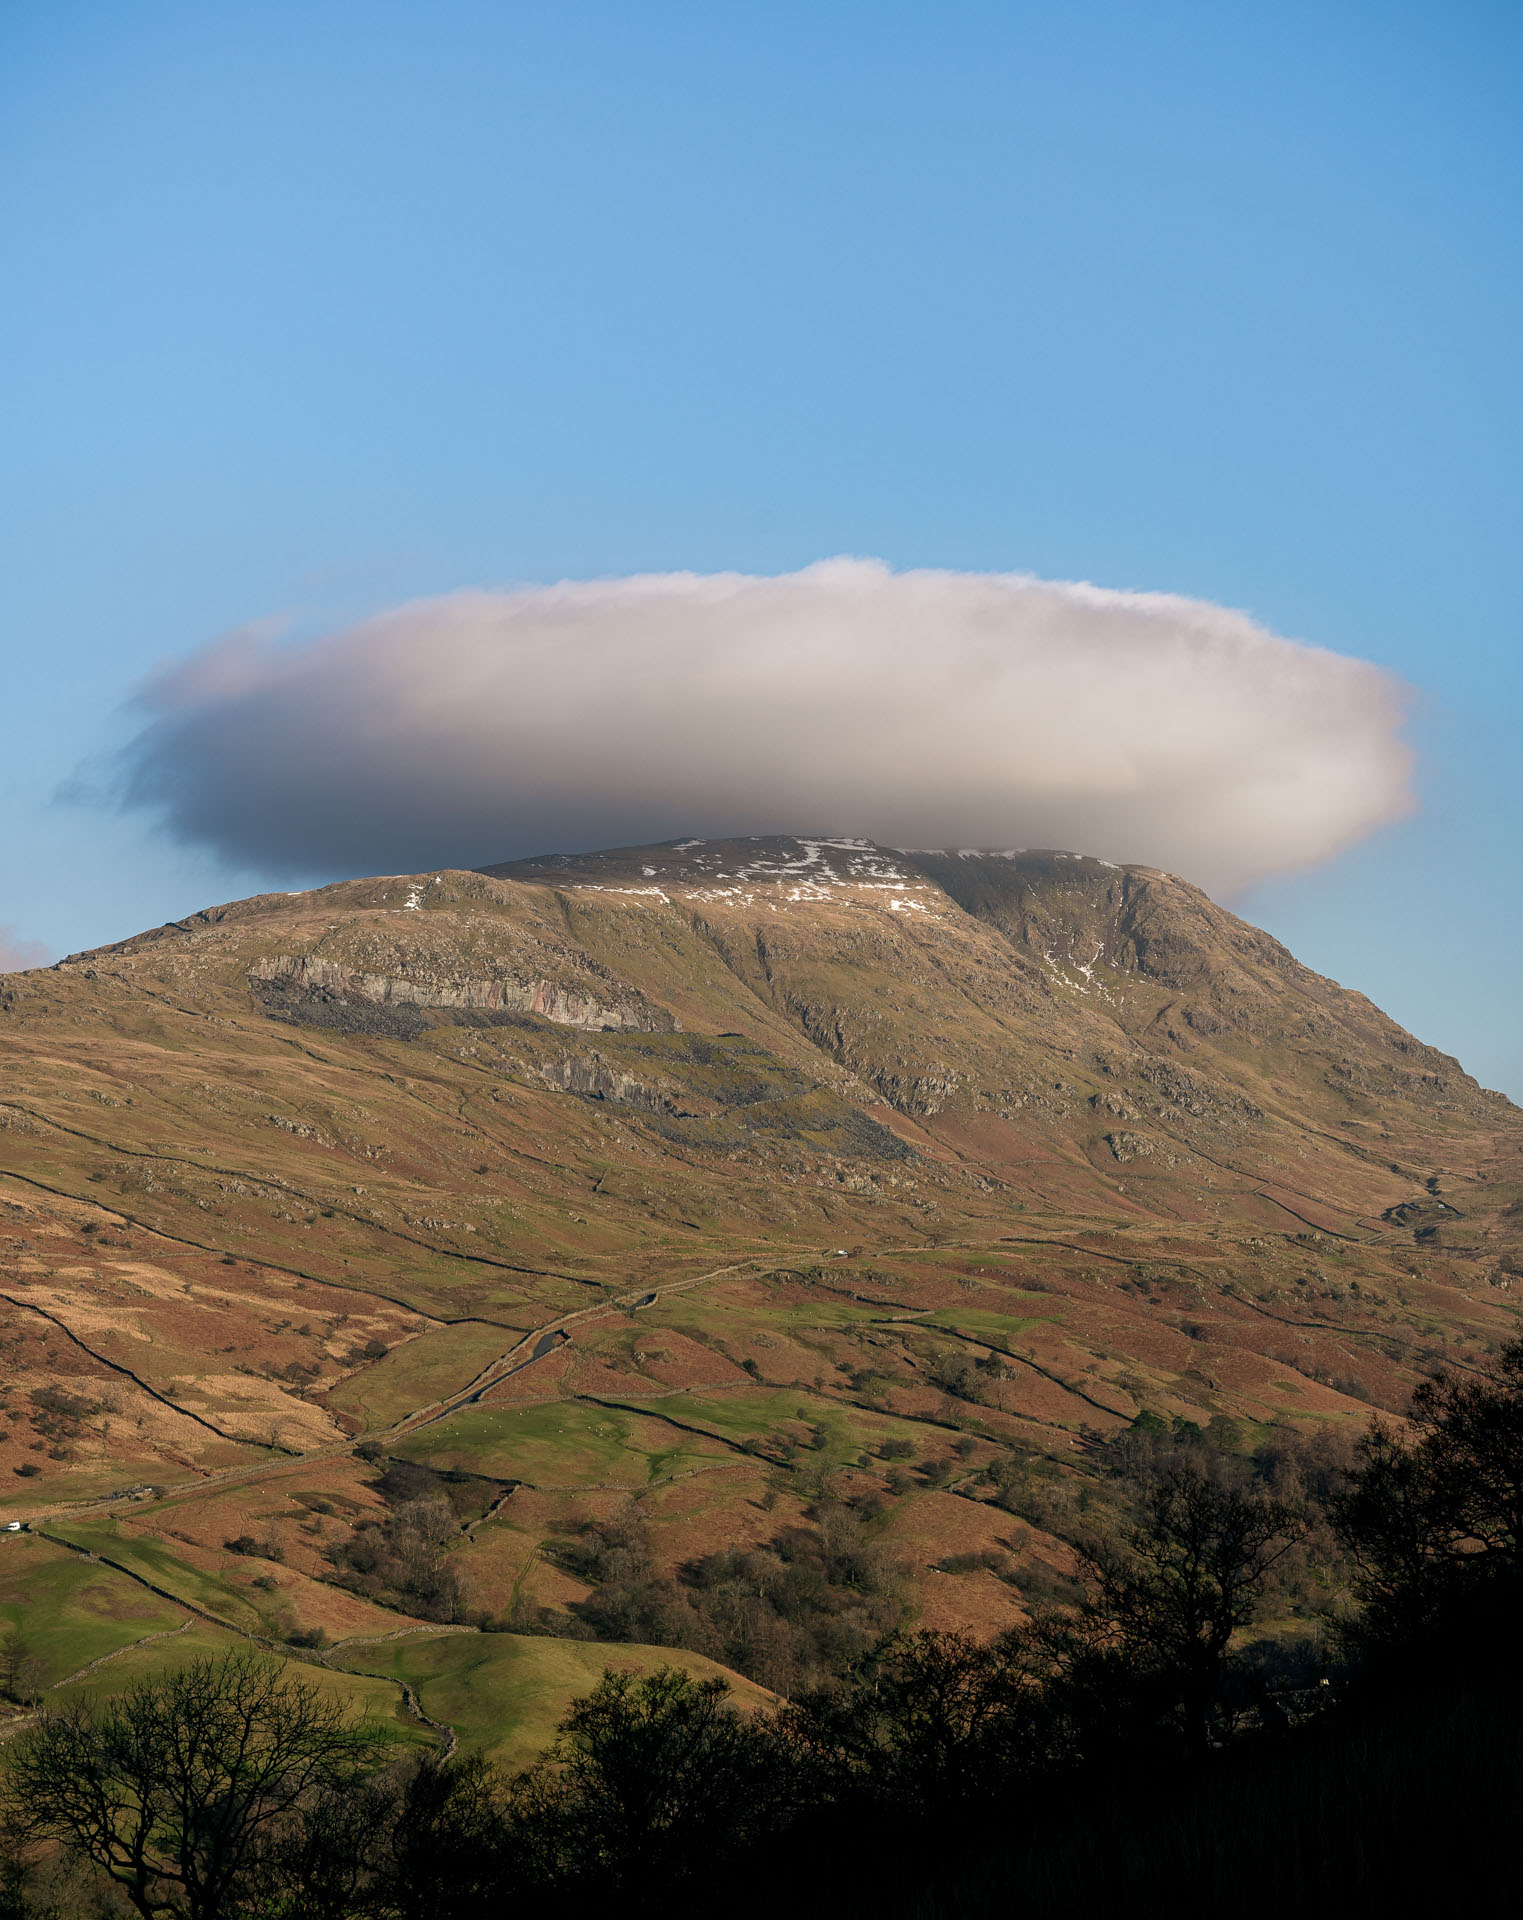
693	1177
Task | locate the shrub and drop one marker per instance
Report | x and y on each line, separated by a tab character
980	1560
791	1613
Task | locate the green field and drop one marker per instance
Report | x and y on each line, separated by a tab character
419	1372
503	1692
378	1699
981	1323
754	1415
561	1443
155	1562
68	1610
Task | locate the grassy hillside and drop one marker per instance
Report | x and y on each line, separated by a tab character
503	1693
697	1193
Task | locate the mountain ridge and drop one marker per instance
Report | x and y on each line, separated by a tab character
610	1179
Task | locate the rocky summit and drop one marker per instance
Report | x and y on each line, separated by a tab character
636	1208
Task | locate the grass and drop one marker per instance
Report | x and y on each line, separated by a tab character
828	1313
380	1699
426	1154
560	1443
419	1372
23	1499
756	1415
979	1320
153	1561
504	1693
69	1610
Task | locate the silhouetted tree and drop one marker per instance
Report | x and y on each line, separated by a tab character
328	1859
934	1720
1164	1608
174	1787
23	1674
653	1783
24	1890
1434	1518
451	1848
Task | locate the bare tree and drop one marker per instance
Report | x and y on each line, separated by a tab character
1189	1578
1434	1516
173	1787
930	1722
652	1781
23	1675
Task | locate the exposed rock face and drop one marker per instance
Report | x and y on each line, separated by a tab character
592	1076
300	978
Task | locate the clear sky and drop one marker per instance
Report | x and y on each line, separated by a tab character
311	308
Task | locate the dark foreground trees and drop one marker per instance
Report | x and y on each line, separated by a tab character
176	1788
933	1725
655	1785
227	1791
1123	1754
1150	1650
1434	1520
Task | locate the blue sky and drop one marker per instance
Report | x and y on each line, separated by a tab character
315	308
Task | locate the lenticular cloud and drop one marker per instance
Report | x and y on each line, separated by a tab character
919	709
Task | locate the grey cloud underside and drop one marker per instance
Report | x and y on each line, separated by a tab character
915	709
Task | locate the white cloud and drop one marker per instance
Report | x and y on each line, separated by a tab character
17	954
923	708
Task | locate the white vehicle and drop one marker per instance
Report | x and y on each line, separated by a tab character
14	1526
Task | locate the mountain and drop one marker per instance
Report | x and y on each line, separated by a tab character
684	1200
